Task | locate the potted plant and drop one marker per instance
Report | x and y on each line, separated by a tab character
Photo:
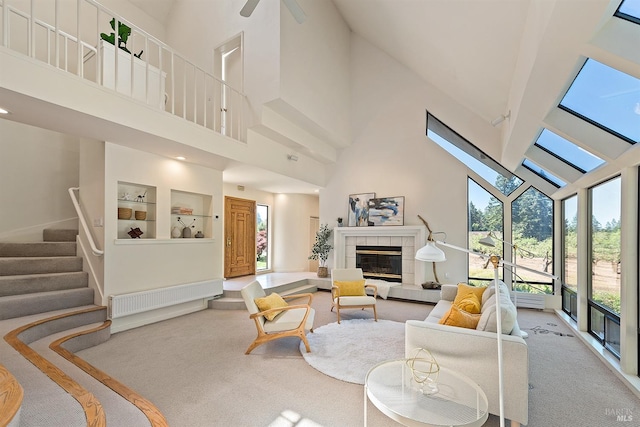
321	248
124	31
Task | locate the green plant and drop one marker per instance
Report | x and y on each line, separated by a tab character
124	31
322	247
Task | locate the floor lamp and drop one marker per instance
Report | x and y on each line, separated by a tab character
431	253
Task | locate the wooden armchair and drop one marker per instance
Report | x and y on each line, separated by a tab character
290	320
348	290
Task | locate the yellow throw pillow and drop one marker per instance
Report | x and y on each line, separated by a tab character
456	317
465	290
351	288
470	304
271	301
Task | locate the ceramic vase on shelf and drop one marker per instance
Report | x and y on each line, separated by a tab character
199	235
176	232
186	233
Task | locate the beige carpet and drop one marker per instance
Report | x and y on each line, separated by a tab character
195	370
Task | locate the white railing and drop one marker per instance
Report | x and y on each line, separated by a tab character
83	222
68	35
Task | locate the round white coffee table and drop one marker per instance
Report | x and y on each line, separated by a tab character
459	401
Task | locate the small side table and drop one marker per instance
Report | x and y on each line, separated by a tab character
391	388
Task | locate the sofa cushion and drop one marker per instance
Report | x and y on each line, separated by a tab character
508	314
491	290
465	290
470	304
350	288
271	301
438	311
460	318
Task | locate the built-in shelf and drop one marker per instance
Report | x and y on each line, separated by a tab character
136	210
192	210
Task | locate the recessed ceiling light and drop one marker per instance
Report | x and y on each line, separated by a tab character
3	111
181	158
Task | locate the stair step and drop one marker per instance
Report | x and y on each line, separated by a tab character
42	302
33	283
12	266
232	300
37	249
227	303
59	235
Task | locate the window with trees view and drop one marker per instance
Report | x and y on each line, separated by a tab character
262	237
605	245
532	239
486	214
570	256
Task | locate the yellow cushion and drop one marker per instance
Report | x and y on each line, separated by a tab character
456	317
465	290
271	301
470	304
351	288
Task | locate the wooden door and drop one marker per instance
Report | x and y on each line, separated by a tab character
239	237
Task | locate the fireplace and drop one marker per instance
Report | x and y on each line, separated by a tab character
380	262
408	237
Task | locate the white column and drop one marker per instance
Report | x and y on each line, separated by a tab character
629	272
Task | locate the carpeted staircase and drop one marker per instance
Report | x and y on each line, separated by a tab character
47	313
42	276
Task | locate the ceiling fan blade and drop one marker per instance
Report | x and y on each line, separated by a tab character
296	10
248	8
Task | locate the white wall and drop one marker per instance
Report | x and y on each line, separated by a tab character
91	199
154	263
315	59
391	156
291	215
211	23
37	167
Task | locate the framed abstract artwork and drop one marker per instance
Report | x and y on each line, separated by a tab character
359	209
386	211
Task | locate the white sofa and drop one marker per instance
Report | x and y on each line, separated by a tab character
474	353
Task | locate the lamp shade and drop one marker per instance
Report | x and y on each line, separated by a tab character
430	252
487	241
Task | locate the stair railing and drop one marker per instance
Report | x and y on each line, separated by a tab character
83	222
83	40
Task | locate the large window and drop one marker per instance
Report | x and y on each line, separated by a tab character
262	237
486	214
532	239
490	170
604	289
606	98
570	256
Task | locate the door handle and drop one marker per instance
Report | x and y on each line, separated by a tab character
228	241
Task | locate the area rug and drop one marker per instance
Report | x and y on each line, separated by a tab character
347	351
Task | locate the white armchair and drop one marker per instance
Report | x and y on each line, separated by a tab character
348	290
289	320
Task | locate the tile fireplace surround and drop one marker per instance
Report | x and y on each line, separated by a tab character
411	238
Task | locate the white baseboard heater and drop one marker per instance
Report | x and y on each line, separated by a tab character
138	302
527	300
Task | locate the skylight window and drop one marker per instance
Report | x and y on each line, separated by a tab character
554	180
567	151
490	170
606	98
629	10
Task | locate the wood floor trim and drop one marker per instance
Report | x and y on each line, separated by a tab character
153	414
93	410
11	395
